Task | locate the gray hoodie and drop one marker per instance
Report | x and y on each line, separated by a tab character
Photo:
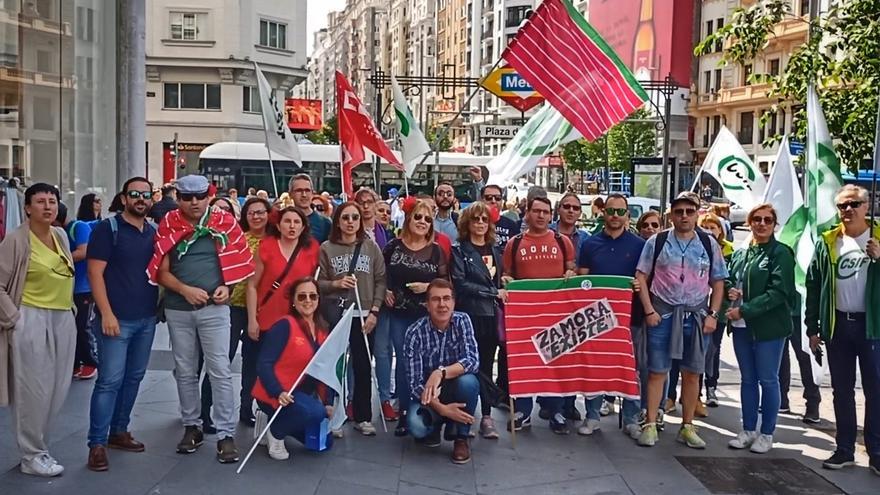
334	261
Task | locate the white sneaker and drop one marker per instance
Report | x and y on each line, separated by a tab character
606	408
366	428
337	433
42	465
260	422
633	430
743	440
762	444
588	427
277	450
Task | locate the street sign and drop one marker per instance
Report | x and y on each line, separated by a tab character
498	131
508	85
795	147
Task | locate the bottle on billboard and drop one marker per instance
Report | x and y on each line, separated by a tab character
643	48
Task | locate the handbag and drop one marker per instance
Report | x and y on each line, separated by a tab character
277	283
333	307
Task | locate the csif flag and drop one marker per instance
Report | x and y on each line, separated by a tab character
823	168
412	142
564	59
356	132
328	364
279	139
729	164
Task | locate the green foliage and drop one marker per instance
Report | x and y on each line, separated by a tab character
842	57
625	140
432	135
327	134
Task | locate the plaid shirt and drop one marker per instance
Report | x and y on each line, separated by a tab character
427	348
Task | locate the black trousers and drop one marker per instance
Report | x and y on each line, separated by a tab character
486	333
811	390
362	394
85	350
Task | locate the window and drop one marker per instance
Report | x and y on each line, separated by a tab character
707	85
716	126
805	7
719	23
273	34
746	127
709	27
44	118
717	80
707	134
251	99
192	96
44	62
747	71
515	16
771	126
85	24
187	26
773	67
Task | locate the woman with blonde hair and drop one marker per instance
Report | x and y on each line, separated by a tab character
714	225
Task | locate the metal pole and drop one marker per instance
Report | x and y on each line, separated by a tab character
376	163
664	178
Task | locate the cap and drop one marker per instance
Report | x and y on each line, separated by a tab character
192	184
392	191
687	196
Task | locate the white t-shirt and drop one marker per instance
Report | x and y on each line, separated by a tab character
852	272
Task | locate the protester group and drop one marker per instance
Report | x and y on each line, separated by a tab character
82	296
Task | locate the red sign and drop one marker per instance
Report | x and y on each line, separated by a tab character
641	33
303	115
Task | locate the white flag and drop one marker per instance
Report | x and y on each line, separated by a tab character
279	139
412	142
542	134
783	190
328	365
823	168
729	164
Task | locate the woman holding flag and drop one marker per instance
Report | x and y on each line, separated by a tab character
288	348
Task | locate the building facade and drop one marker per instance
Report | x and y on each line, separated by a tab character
200	79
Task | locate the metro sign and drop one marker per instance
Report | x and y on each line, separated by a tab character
507	84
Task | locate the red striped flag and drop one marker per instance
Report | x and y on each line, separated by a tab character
570	337
569	64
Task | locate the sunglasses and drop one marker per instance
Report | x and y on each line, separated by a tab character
481	219
191	196
418	217
307	296
846	205
139	194
684	212
354	217
653	225
492	197
318	207
570	207
616	211
764	220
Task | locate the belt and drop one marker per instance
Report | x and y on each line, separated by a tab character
846	315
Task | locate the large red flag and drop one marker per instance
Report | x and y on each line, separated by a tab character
356	132
570	65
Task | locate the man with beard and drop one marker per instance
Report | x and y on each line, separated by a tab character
445	221
119	250
505	228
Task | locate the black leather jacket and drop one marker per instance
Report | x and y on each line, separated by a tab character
476	290
161	208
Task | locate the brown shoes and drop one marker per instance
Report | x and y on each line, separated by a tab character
124	441
98	458
461	451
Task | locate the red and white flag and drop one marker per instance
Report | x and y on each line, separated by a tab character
572	67
356	132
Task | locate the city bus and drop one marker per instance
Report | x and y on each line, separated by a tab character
244	165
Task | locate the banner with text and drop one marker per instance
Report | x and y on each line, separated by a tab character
567	337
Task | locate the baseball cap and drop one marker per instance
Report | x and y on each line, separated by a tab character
688	197
392	192
192	184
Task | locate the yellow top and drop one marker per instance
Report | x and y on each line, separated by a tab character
49	280
239	292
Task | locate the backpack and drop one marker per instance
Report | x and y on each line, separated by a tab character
517	240
663	236
114	227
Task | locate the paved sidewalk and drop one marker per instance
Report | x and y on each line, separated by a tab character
542	463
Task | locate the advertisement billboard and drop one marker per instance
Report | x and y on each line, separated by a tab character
303	115
642	34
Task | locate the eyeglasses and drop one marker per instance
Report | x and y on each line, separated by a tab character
256	213
653	225
302	190
139	194
684	212
616	211
318	206
570	207
481	219
492	197
764	220
307	296
191	196
354	217
540	212
846	205
418	217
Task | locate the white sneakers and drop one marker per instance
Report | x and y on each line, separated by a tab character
743	440
606	408
277	450
633	430
588	427
42	465
762	444
366	428
260	422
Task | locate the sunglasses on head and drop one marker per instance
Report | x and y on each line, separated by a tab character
684	212
318	207
418	217
307	296
616	211
763	220
492	197
353	217
191	196
846	205
139	194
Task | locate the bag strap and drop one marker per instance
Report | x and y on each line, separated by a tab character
658	248
517	240
707	245
354	257
277	283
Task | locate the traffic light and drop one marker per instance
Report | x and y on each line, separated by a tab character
175	153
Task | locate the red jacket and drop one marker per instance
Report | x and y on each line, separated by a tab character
285	351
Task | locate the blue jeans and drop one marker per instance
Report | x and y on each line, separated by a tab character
422	421
122	363
758	364
304	415
382	353
397	329
659	358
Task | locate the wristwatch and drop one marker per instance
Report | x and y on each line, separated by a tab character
442	373
712	314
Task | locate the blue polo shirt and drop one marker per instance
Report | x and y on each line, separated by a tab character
319	226
78	233
603	255
131	295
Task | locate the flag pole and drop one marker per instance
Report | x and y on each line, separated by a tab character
875	168
357	298
268	150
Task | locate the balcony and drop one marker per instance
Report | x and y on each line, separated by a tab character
751	94
16	75
790	29
36	23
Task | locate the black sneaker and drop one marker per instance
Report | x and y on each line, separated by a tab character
226	451
433	438
839	460
572	414
520	422
558	425
812	415
191	441
711	397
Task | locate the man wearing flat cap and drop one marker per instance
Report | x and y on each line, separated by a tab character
200	253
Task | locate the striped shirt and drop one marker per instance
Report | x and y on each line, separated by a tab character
426	348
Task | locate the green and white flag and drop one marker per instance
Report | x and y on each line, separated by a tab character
328	365
412	142
823	168
728	163
542	134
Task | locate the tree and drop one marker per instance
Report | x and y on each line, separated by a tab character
327	134
432	135
631	138
841	57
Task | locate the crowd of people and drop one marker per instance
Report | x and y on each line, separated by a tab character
80	298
